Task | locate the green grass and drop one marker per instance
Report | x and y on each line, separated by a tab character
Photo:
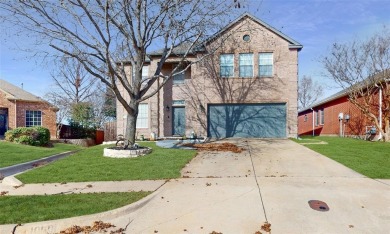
371	159
12	153
90	165
24	209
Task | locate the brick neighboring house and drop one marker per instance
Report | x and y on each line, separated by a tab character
253	95
19	108
326	117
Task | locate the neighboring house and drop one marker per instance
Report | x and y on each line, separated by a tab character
249	90
19	108
336	116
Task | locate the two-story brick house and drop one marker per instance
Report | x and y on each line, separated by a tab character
19	108
247	88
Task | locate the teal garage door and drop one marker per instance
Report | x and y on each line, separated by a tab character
263	120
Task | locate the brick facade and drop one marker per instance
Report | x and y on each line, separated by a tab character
356	126
10	107
200	89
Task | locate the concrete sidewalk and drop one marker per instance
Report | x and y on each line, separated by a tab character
82	187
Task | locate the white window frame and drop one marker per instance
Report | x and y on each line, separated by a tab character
145	72
241	65
36	121
266	62
322	117
143	115
317	121
226	65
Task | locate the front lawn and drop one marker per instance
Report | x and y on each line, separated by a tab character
371	159
24	209
90	165
12	153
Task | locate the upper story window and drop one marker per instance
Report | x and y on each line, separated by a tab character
322	116
179	77
226	65
246	65
33	118
266	64
143	114
145	72
305	118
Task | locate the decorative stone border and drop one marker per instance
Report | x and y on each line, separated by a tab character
112	152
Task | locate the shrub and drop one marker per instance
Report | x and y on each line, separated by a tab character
25	140
36	136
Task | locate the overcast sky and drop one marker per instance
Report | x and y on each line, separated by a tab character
316	24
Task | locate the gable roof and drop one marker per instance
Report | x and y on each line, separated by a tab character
293	44
182	48
15	93
333	97
369	81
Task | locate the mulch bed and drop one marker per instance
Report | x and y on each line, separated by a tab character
216	147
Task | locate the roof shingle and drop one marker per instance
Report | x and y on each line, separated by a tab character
15	93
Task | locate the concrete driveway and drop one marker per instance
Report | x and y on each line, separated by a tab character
221	194
272	180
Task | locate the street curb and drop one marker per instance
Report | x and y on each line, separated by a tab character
55	226
10	170
11	181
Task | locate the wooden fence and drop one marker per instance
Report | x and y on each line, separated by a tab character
110	131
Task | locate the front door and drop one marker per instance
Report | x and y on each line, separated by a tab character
3	125
179	121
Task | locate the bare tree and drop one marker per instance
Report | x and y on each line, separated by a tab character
362	68
309	92
104	34
74	82
72	85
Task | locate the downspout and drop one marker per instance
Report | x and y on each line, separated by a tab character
16	124
313	119
158	108
380	113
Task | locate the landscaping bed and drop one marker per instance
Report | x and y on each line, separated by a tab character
371	159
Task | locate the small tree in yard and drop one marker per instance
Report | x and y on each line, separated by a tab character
363	70
72	85
103	34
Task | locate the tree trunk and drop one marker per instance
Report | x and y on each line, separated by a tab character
131	123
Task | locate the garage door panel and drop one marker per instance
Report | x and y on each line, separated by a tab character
247	120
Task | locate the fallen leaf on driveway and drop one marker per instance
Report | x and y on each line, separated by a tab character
266	227
217	147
